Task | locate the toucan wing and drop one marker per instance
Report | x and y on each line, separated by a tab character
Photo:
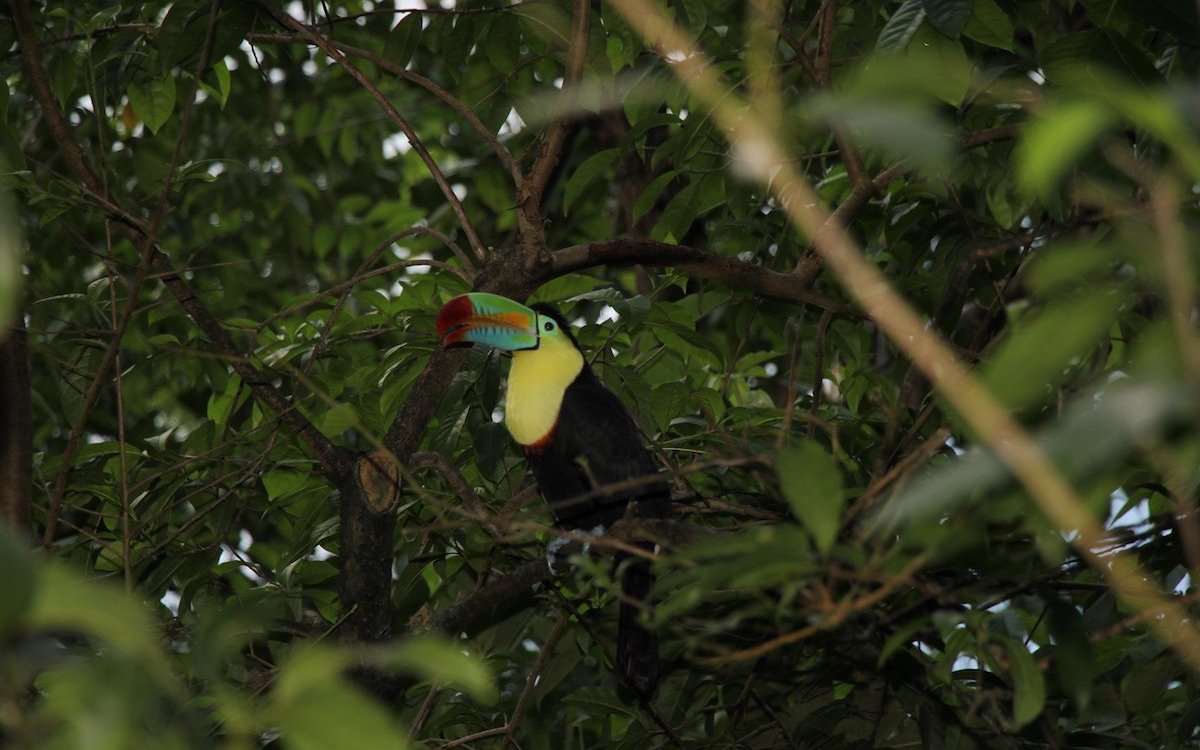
600	436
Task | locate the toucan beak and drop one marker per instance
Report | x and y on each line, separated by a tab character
482	318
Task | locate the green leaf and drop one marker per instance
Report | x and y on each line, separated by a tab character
439	660
18	579
1055	140
948	16
1087	60
593	168
990	25
221	404
154	101
650	195
224	82
812	485
1072	265
901	27
1001	200
1157	112
65	602
316	708
1072	652
403	41
933	51
1041	347
1145	684
181	34
336	419
1097	431
1029	687
280	483
696	13
502	42
63	72
902	129
688	205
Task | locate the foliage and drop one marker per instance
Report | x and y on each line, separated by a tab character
230	293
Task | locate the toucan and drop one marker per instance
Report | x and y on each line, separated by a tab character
581	444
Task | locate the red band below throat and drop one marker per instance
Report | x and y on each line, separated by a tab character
539	445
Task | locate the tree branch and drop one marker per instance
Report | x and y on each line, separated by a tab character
697	263
461	615
810	265
532	680
844	214
533	187
453	477
31	57
822	66
16	433
535	181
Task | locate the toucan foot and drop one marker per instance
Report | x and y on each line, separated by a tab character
552	549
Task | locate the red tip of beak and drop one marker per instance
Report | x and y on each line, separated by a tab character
450	316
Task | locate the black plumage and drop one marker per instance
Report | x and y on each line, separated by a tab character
595	445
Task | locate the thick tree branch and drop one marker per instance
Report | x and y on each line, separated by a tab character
539	173
460	616
533	187
31	58
697	263
466	612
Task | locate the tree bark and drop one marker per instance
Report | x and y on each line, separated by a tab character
16	433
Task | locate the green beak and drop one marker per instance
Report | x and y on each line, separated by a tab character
482	318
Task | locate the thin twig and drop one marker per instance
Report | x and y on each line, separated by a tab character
450	100
832	616
454	478
418	146
547	648
1181	295
468	739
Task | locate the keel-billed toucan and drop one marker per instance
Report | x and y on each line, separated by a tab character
578	440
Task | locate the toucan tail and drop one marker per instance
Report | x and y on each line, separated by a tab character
637	646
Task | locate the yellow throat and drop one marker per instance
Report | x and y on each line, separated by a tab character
537	381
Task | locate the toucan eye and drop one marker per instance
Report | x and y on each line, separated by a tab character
548	325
